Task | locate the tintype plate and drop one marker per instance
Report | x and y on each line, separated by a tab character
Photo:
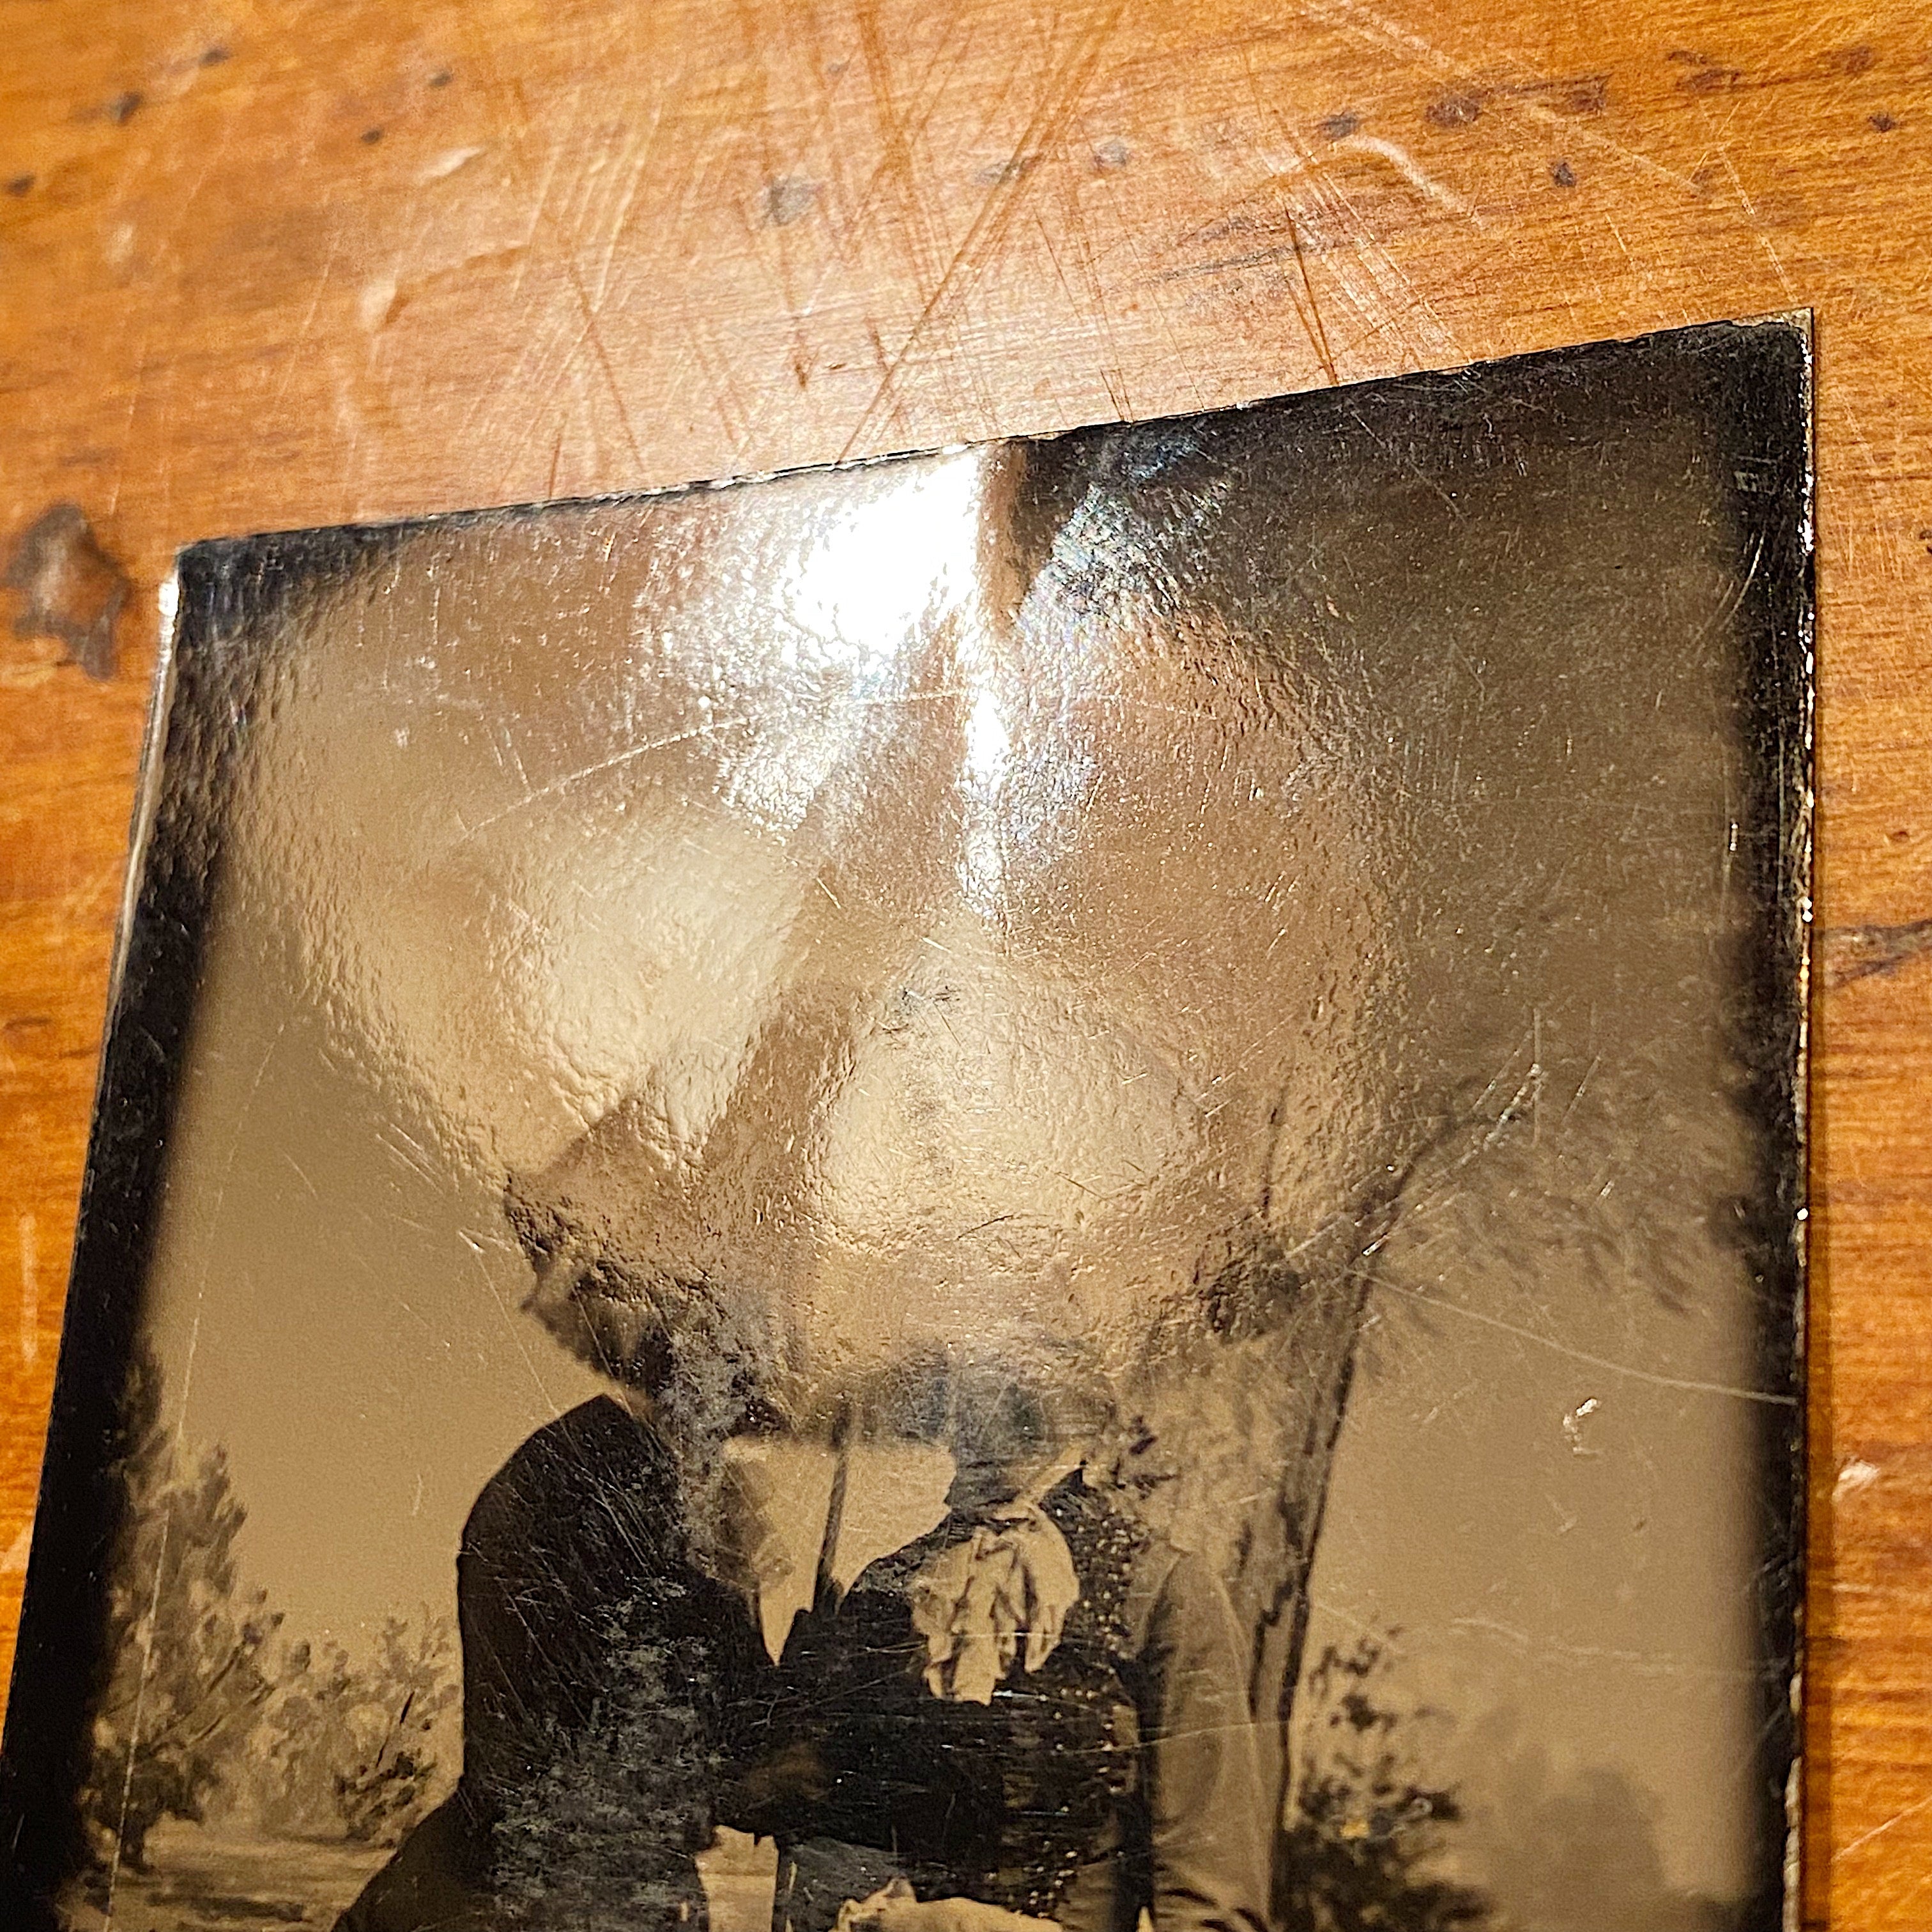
1059	1182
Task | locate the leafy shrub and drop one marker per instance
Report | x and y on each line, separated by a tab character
205	1710
1367	1827
189	1672
356	1750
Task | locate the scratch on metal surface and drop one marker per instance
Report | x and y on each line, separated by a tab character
629	755
1643	1662
1770	1398
155	1597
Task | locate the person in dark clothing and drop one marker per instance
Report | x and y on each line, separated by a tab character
601	1671
1117	1773
1081	1754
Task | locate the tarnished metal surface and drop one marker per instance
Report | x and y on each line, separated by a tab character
1061	1007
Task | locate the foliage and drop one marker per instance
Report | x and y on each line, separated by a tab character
1367	1830
204	1709
354	1749
188	1675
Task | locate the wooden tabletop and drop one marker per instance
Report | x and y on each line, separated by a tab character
264	264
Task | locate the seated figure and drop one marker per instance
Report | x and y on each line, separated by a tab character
1037	1706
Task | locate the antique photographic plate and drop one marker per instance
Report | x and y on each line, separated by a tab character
1060	1182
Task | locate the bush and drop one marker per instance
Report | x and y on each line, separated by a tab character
187	1680
355	1750
1365	1827
203	1708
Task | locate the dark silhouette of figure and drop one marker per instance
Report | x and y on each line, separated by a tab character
620	1705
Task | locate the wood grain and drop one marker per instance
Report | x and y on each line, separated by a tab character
272	264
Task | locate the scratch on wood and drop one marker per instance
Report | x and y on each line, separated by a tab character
996	213
1317	330
1865	1838
30	1290
1391	293
1312	325
1849	952
1364	22
1405	165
